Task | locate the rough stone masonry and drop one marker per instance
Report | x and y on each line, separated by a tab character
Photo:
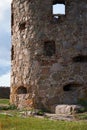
48	54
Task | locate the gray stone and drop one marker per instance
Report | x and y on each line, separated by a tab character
68	109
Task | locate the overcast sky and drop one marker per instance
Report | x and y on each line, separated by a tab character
5	40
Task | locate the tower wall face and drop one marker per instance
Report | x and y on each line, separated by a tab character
49	55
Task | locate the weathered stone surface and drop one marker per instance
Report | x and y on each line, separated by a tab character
44	51
68	109
62	117
24	102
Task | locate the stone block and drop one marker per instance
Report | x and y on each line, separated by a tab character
68	109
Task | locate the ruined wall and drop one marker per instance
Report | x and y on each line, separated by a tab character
49	55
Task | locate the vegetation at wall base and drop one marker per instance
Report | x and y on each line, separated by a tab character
81	116
11	119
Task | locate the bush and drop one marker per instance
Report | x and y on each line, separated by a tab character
9	107
83	102
81	116
12	107
40	112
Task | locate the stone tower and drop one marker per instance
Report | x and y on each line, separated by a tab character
49	53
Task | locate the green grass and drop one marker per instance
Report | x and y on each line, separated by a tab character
81	116
18	123
4	101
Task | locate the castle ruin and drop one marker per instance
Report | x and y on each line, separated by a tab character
48	54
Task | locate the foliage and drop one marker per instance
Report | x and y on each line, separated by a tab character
12	107
81	116
8	107
83	102
40	112
5	105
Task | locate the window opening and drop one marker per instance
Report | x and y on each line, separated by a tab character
80	58
12	15
21	90
58	8
12	52
70	87
12	19
49	48
22	26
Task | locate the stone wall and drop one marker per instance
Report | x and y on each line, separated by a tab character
49	55
5	92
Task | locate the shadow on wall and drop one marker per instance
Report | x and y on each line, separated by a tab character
5	92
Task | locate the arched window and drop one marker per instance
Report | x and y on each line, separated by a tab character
21	90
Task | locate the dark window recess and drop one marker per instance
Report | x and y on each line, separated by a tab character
22	26
21	90
58	1
80	58
12	52
58	8
49	48
12	19
12	15
70	87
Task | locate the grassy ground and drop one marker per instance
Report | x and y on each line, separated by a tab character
4	101
16	122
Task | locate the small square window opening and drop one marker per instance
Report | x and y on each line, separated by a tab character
49	48
58	9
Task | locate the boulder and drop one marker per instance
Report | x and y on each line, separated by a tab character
68	109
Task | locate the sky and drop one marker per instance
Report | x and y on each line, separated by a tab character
59	9
5	39
5	42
